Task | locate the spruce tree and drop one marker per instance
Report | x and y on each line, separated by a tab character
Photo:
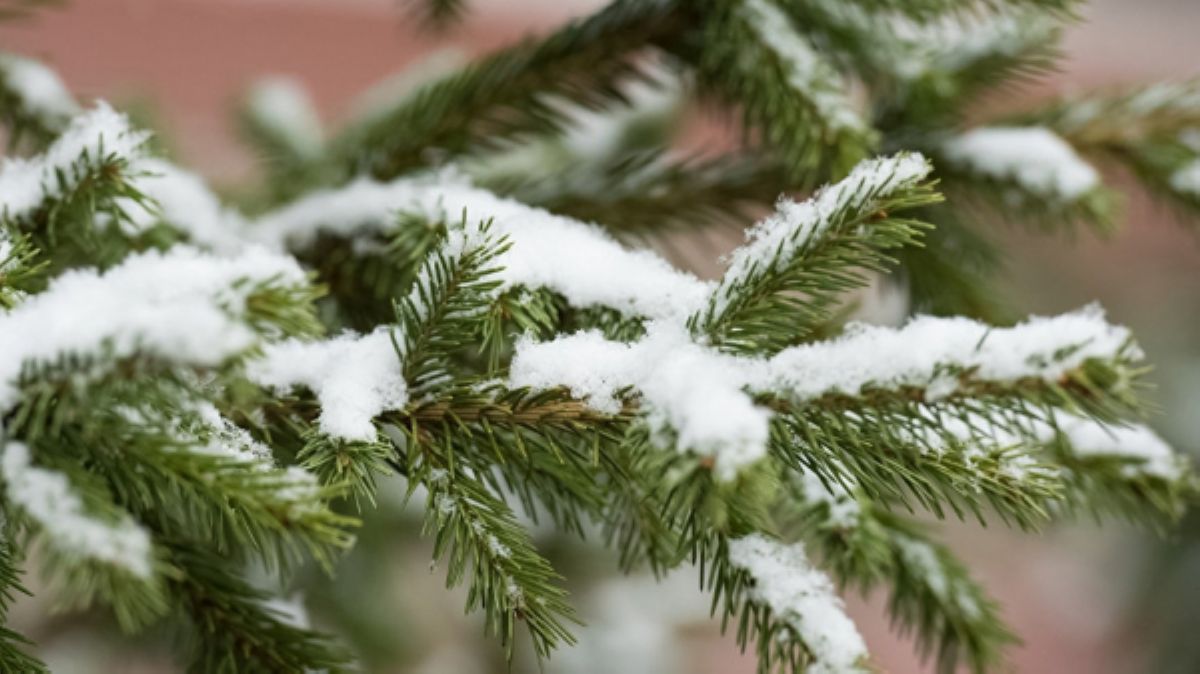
458	287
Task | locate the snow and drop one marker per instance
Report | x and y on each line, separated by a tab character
808	73
909	49
228	439
687	389
282	105
578	260
1187	179
39	88
930	352
48	499
776	241
1034	157
801	595
844	510
91	138
186	203
289	610
700	394
1149	454
180	305
355	378
958	43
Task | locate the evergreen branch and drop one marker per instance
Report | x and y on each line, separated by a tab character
12	643
235	630
1026	173
1120	118
952	273
543	446
1169	170
1120	470
514	93
1149	130
72	199
932	594
753	58
440	315
785	281
90	543
478	534
927	9
345	465
950	67
897	458
19	267
365	274
166	458
786	607
13	657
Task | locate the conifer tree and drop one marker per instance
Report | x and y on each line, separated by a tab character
456	287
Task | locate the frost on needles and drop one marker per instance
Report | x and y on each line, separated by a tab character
194	397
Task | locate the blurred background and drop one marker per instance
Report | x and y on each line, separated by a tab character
1084	599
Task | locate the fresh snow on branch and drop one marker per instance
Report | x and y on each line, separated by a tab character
1186	180
186	203
282	106
909	49
38	88
180	305
700	394
689	390
1149	454
578	260
808	72
90	141
355	378
804	598
48	499
1035	158
795	226
843	508
931	353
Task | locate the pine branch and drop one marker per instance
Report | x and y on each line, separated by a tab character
932	594
786	608
13	645
1121	470
69	200
952	274
514	93
1026	174
234	628
949	68
92	546
751	56
1148	130
19	267
478	534
440	316
786	281
931	8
